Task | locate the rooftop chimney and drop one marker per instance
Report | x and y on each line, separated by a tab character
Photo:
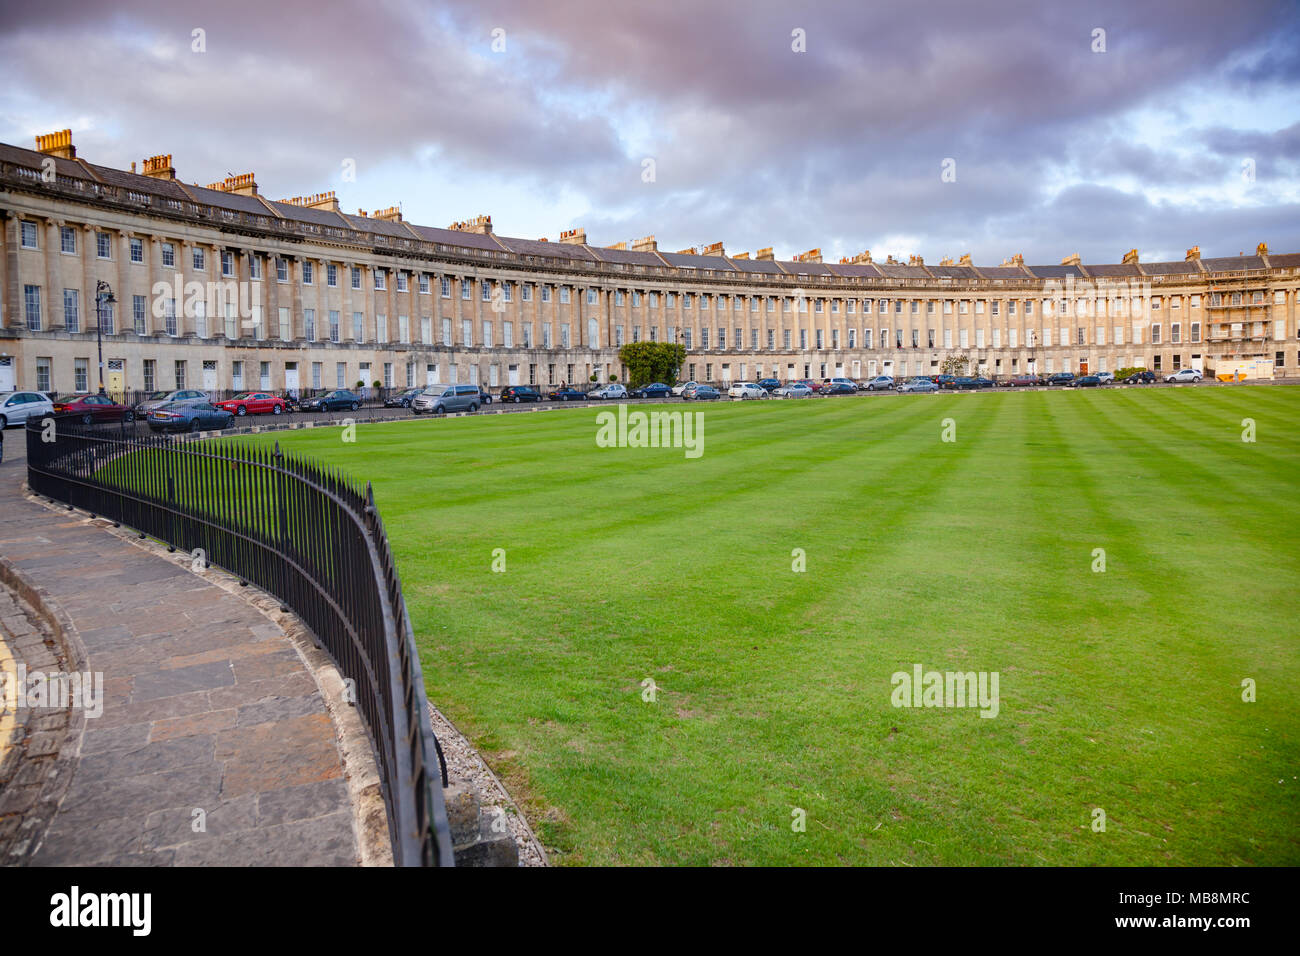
915	261
861	257
688	251
713	249
965	260
1261	249
765	254
1193	254
479	224
812	255
1074	260
574	237
317	201
740	255
158	167
1130	258
645	244
57	144
946	261
242	185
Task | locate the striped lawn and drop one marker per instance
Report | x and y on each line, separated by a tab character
1120	690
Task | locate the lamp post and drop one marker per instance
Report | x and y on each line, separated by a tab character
103	296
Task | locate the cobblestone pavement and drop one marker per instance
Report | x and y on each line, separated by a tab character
214	745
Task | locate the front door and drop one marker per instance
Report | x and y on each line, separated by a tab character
7	374
116	383
291	376
209	376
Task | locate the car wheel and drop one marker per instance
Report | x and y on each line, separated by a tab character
355	406
1196	380
241	411
276	410
440	410
194	425
128	416
564	398
4	421
473	406
87	419
516	399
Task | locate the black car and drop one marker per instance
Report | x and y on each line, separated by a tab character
334	401
566	394
838	388
520	393
944	381
484	396
1086	381
402	399
657	390
769	384
1140	378
189	416
1060	378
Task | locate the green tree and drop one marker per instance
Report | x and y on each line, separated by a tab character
652	362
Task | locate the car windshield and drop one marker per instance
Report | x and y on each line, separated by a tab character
242	395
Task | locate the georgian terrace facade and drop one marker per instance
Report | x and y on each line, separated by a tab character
220	288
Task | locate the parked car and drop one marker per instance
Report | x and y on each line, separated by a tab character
982	382
852	385
656	390
747	390
334	401
918	385
769	385
701	393
1024	381
1060	378
880	383
1184	375
252	403
484	396
441	399
1086	381
943	381
611	391
189	417
963	383
681	387
520	393
566	394
155	399
1141	378
834	387
402	399
17	407
809	383
793	390
1106	378
94	408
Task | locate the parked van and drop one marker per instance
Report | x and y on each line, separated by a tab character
441	399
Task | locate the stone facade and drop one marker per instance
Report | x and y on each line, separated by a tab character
220	288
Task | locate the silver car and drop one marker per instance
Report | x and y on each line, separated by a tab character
613	390
919	385
159	399
441	399
17	407
793	390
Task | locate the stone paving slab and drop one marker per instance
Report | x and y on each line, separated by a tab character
209	714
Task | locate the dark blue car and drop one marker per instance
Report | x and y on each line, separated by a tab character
189	416
334	401
657	390
566	395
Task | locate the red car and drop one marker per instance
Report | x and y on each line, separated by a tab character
254	403
815	386
94	408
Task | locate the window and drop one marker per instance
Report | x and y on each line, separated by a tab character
722	338
254	266
29	241
564	294
866	306
820	306
309	324
198	259
340	374
963	338
331	275
106	317
771	339
308	272
44	372
401	282
356	277
485	290
169	316
466	333
1196	331
564	336
32	307
1155	334
286	324
316	375
281	270
821	342
508	335
334	325
687	338
546	293
358	327
68	240
150	375
137	250
227	263
180	373
670	300
444	287
916	338
201	319
687	300
381	279
785	339
488	340
403	328
1078	335
1175	333
446	331
71	310
591	297
803	340
424	290
168	255
138	314
527	292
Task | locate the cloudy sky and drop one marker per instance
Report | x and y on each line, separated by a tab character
700	121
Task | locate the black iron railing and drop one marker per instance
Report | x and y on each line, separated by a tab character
305	534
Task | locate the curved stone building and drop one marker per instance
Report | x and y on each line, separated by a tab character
218	287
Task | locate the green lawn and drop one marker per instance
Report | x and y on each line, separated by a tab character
1119	690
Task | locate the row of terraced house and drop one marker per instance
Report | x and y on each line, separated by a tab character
218	287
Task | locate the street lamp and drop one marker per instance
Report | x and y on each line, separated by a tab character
103	297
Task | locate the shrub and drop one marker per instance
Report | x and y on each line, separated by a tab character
1121	373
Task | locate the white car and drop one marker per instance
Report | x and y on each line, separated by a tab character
682	386
613	390
1107	378
746	390
793	390
1184	375
17	407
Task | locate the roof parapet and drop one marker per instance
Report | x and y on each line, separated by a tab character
58	144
